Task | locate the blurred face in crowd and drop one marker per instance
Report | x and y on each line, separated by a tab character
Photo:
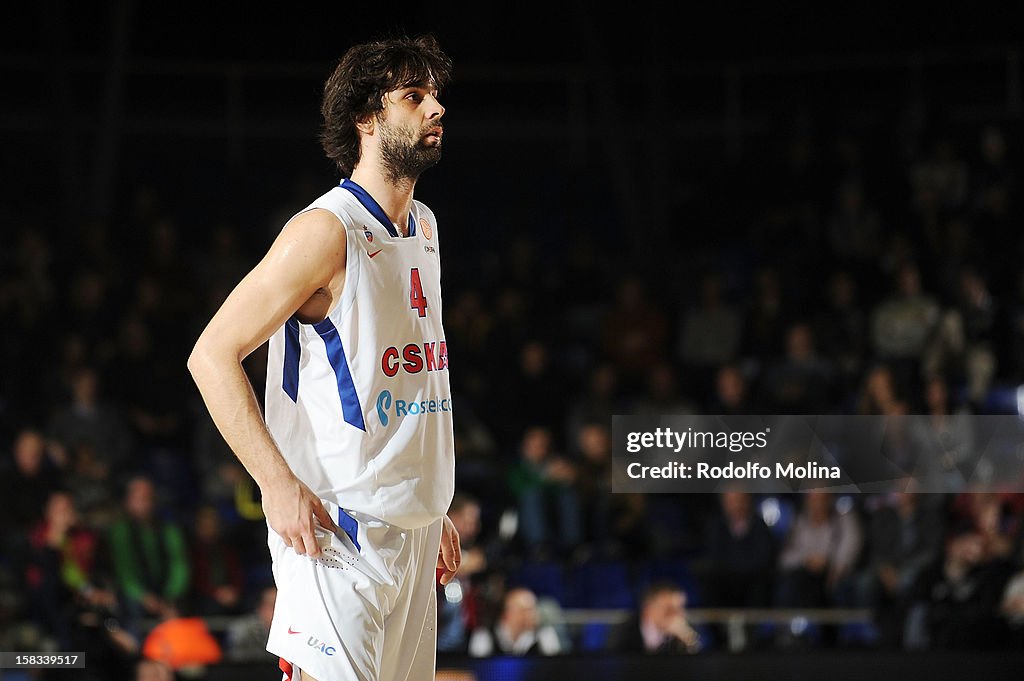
89	291
663	608
851	198
736	505
265	611
993	145
880	386
909	281
84	387
936	395
967	549
819	505
661	382
711	291
466	521
602	381
520	613
139	499
841	292
800	343
536	444
207	524
534	359
631	294
595	442
60	510
29	449
150	670
730	386
906	502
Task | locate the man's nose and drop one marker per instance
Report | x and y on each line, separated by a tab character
436	110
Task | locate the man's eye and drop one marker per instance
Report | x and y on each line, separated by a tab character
414	96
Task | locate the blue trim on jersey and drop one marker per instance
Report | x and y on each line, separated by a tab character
292	353
370	204
350	406
351	527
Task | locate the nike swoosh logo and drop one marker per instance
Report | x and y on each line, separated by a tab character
375	252
292	631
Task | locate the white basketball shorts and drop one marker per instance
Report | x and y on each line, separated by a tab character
366	610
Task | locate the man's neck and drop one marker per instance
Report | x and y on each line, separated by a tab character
394	197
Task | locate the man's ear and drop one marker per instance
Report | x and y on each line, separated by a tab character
367	124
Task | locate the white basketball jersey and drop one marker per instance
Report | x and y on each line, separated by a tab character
360	403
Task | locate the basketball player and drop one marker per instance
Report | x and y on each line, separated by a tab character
355	461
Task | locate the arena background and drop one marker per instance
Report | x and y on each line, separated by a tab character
643	211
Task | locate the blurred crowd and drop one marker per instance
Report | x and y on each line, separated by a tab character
843	293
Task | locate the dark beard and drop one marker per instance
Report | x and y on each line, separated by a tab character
403	159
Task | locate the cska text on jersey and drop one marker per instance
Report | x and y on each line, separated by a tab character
414	358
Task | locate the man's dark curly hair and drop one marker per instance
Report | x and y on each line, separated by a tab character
364	75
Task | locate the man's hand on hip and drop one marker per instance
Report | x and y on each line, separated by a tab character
291	507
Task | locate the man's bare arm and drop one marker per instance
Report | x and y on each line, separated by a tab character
307	255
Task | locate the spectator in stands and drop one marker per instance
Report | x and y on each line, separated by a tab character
841	331
90	421
149	554
993	518
661	626
902	324
1011	607
458	603
940	180
1014	343
535	375
904	538
56	378
597	404
854	227
217	578
730	396
614	524
740	561
63	575
741	554
247	636
88	311
92	483
634	332
765	319
819	554
26	484
961	593
802	382
518	630
543	483
943	441
964	342
710	332
594	480
154	415
662	396
879	394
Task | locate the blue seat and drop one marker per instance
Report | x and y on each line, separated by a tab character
594	636
602	584
545	580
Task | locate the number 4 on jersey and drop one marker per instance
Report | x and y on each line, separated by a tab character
417	300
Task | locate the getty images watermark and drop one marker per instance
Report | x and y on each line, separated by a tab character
840	453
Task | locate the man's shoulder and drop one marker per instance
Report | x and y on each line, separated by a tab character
332	207
424	210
